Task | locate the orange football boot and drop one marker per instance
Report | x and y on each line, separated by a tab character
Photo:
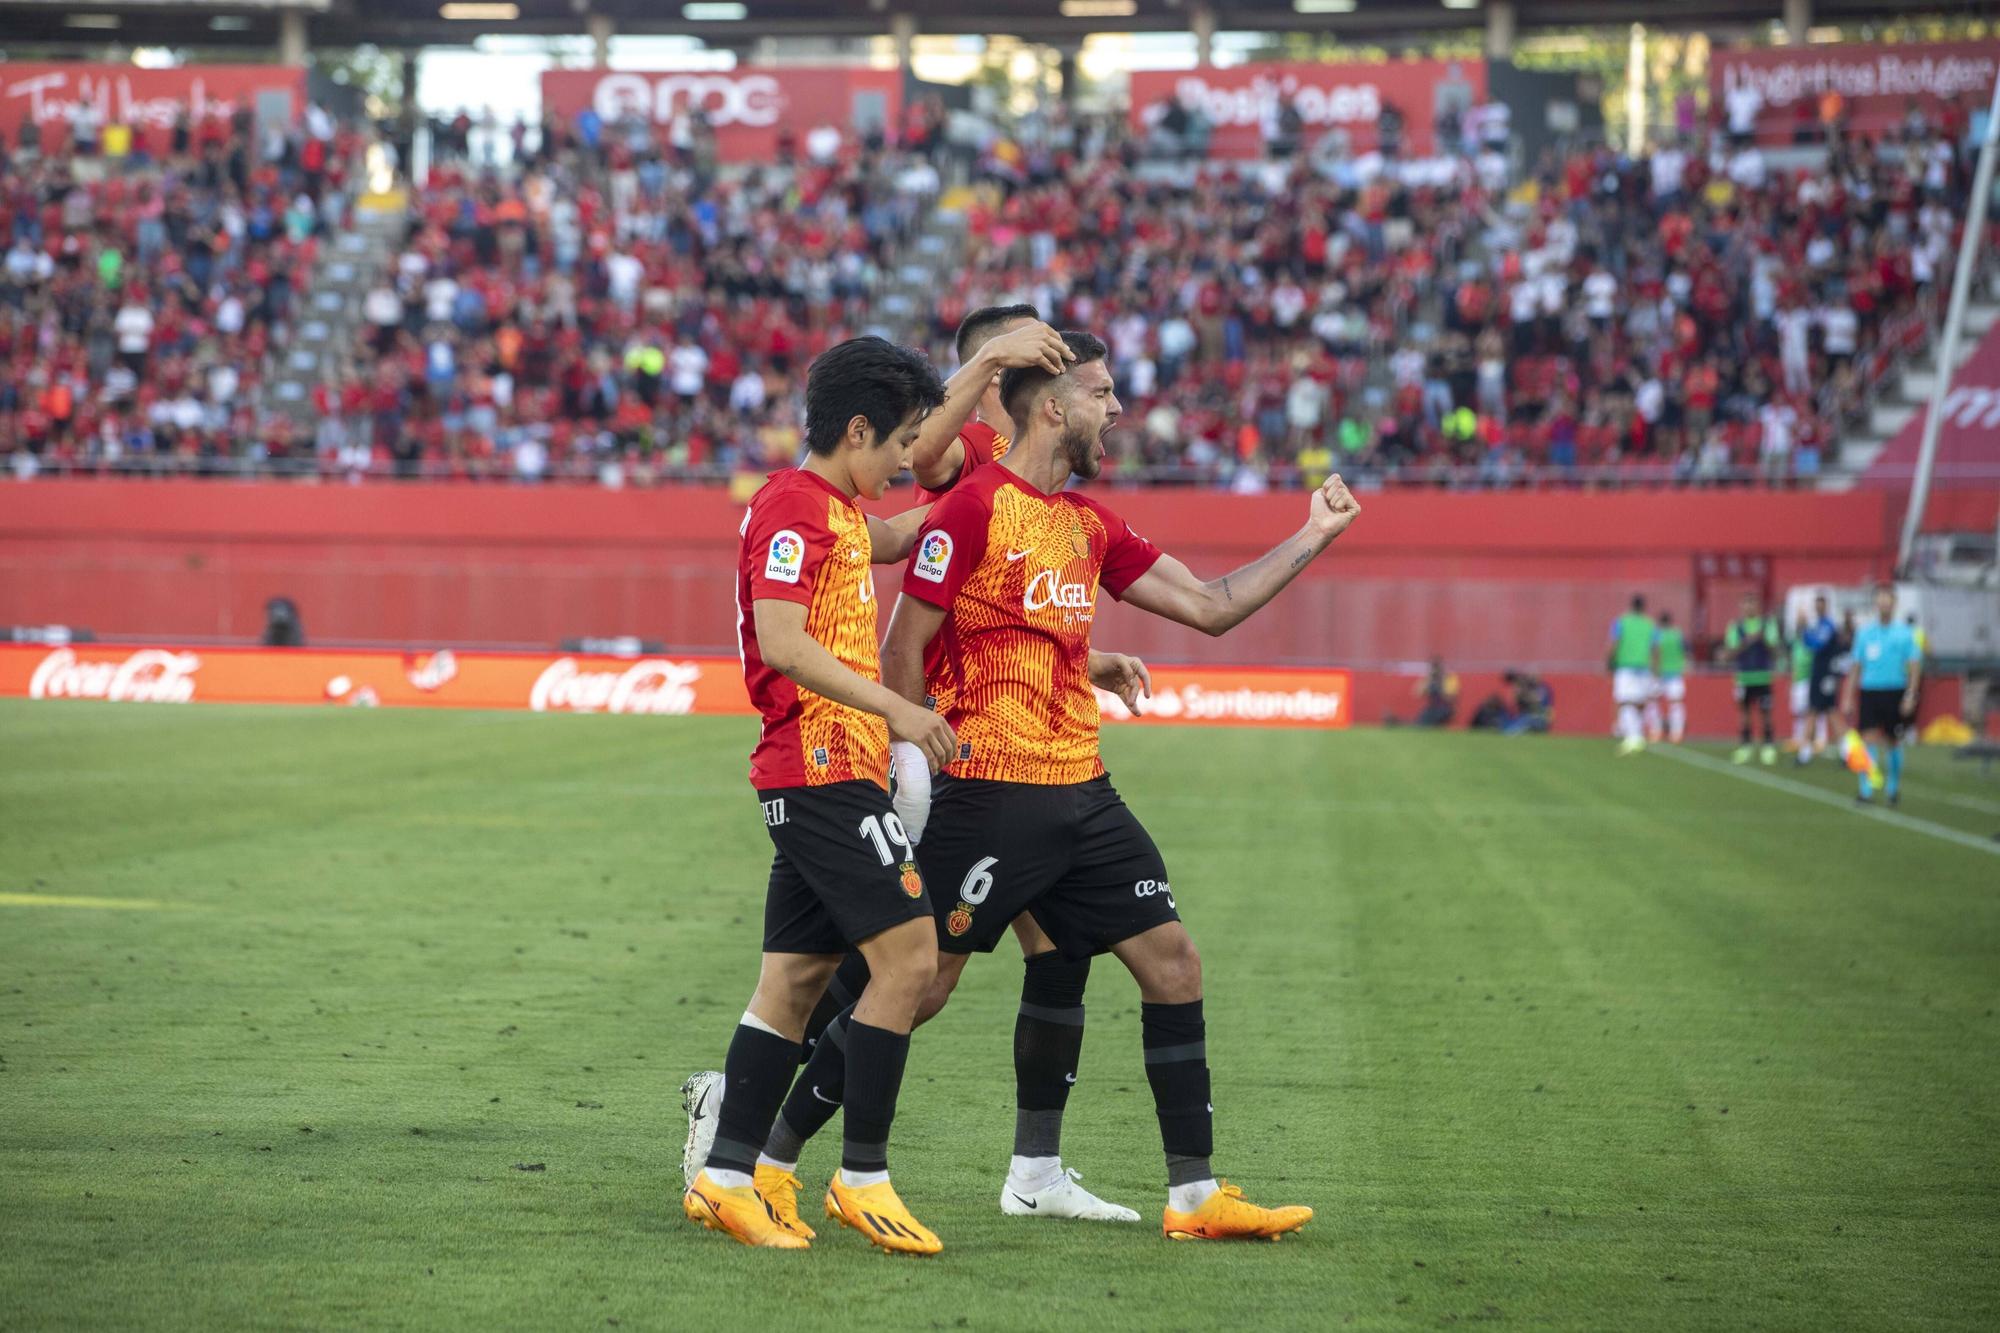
780	1189
1227	1215
740	1213
877	1213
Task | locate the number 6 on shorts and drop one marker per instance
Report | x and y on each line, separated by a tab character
978	881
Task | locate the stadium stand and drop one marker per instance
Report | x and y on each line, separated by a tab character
612	307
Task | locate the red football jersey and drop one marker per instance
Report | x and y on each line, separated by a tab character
805	542
982	444
1017	572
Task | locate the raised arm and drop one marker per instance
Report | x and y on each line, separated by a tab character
937	455
1215	607
789	649
891	539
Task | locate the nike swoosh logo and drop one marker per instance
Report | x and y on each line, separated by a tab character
1024	1203
1069	1078
1020	555
822	1096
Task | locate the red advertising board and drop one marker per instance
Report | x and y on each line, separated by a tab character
147	98
1968	431
1349	97
746	106
675	683
1876	82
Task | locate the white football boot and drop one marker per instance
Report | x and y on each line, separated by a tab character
701	1098
1062	1197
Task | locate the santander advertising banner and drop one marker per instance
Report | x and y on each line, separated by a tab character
658	685
1348	97
150	99
1877	82
746	106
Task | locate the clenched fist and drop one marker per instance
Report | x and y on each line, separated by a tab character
1333	507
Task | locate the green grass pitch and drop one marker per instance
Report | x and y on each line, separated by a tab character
1550	1039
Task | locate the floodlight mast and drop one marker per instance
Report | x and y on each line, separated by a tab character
1954	328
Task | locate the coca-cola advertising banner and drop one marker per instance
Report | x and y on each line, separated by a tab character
745	106
1240	102
1876	83
568	683
150	99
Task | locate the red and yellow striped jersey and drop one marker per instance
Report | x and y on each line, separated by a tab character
1017	574
805	542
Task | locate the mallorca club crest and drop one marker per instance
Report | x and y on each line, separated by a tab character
913	883
960	919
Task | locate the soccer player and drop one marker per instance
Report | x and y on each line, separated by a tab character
1670	673
1751	645
1007	571
951	445
1631	665
843	873
1821	638
1888	670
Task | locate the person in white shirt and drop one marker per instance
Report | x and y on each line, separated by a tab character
624	272
1741	106
1600	297
440	294
687	370
1794	324
1669	170
1778	420
1747	167
133	328
1842	330
747	394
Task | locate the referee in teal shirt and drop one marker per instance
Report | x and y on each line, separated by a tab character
1888	668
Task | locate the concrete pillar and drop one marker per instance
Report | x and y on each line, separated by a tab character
600	28
1500	23
1066	85
291	37
1201	21
903	28
1798	18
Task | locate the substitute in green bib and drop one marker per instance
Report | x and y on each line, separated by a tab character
1670	665
1751	646
1631	665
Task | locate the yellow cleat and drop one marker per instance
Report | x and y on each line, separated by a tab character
1227	1215
740	1213
876	1212
780	1189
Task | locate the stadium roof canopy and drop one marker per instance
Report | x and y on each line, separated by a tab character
412	23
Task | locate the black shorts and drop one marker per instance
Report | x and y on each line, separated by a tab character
1074	856
1758	694
844	869
1881	710
1824	696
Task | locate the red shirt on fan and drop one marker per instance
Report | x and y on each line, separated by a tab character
982	445
803	541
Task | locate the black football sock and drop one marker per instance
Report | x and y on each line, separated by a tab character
759	1066
816	1094
1175	1038
848	982
1048	1038
875	1059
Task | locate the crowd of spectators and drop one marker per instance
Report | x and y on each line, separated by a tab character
611	304
1704	313
148	273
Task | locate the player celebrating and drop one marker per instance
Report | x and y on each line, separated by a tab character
1888	670
1631	666
1007	571
843	874
1751	644
951	446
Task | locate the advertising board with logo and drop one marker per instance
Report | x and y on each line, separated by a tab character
746	106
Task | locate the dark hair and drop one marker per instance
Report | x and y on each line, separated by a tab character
984	322
866	377
1021	384
1666	617
1638	601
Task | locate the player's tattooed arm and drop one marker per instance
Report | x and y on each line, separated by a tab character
892	539
790	649
1171	590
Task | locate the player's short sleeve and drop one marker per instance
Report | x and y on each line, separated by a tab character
785	541
951	543
1126	557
